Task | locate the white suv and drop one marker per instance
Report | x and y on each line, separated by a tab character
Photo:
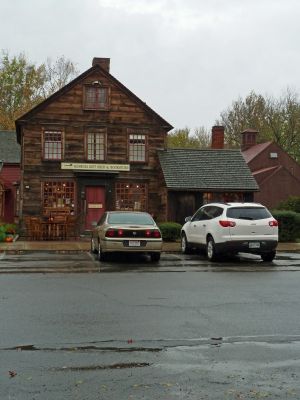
230	228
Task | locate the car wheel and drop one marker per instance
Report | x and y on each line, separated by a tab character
268	256
185	246
211	249
101	255
155	257
93	246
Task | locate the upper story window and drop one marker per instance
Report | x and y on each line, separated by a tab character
137	148
96	97
95	145
53	145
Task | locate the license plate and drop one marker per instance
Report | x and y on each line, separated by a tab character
254	245
134	243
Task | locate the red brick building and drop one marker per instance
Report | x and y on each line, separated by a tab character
277	174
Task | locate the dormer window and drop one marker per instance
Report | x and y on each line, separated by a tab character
96	97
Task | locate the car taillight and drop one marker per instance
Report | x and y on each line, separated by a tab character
227	224
274	222
154	234
114	232
110	233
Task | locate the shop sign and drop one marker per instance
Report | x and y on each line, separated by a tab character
96	167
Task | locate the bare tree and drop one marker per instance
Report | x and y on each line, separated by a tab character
276	119
183	138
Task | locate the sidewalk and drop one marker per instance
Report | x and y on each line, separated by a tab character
84	245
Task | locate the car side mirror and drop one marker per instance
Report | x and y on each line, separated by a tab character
187	219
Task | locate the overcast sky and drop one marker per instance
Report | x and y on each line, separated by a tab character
187	59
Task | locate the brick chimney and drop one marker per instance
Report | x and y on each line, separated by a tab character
102	62
217	137
248	138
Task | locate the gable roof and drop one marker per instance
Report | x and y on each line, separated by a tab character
10	151
254	151
207	169
74	82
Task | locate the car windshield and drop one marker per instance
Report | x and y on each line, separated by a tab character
250	213
130	218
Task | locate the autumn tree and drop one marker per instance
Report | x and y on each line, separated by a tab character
276	119
184	138
23	84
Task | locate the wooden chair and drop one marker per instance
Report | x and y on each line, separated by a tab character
71	226
60	227
33	228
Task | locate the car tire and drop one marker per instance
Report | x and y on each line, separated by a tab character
268	257
211	249
155	257
93	246
185	246
101	255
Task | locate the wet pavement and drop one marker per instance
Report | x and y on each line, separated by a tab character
136	336
184	328
83	244
45	261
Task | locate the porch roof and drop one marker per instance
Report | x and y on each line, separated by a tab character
206	169
10	150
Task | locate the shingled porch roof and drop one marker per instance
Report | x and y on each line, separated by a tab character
207	169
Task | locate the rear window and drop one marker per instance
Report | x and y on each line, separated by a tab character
250	213
136	219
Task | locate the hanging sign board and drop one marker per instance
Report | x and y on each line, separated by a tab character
96	167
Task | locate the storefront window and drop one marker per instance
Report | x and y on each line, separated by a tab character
58	195
131	196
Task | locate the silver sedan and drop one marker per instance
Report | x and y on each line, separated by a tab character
126	231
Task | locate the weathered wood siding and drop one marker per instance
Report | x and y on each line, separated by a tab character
65	112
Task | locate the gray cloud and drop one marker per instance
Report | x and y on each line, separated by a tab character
187	59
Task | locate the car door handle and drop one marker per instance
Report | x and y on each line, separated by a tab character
204	225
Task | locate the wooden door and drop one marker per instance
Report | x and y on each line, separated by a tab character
95	205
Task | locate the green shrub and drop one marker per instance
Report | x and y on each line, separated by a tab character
7	229
291	204
170	231
289	225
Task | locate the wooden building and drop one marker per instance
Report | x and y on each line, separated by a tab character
90	147
9	177
276	173
194	177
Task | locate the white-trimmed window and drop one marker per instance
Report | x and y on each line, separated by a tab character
95	145
137	148
53	145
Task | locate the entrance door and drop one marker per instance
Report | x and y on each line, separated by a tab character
95	205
